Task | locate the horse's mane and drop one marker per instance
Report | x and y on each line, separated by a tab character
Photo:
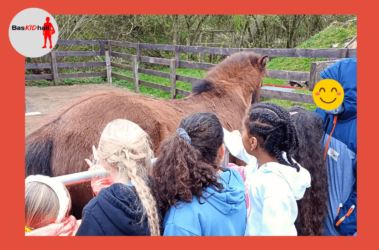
224	70
202	86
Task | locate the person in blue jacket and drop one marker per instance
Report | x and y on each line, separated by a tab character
198	197
340	125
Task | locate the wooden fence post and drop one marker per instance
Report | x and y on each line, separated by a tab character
109	68
135	74
109	48
173	78
177	56
54	68
213	41
102	48
138	52
316	69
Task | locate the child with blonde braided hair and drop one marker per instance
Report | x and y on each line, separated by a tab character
127	207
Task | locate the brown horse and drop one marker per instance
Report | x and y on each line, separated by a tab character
60	145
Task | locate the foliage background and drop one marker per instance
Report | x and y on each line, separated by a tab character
228	31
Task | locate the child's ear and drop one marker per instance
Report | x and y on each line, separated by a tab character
254	143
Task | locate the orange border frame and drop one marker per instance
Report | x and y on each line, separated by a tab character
13	123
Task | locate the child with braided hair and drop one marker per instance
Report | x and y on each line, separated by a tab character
127	207
274	181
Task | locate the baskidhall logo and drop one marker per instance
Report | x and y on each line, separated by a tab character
33	32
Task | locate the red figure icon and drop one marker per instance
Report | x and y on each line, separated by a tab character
48	30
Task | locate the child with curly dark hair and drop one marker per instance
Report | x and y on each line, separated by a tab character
198	198
313	206
274	180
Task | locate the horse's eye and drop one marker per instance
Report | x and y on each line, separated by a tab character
321	89
334	89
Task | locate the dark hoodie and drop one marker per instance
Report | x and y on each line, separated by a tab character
115	211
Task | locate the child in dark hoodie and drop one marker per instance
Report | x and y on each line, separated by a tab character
199	199
127	207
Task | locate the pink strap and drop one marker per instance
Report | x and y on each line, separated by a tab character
240	170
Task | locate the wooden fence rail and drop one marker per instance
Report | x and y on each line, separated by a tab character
177	63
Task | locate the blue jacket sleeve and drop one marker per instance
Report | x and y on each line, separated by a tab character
90	226
349	226
173	230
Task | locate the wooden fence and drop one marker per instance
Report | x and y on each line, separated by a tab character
177	63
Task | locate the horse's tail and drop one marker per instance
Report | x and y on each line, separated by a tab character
38	148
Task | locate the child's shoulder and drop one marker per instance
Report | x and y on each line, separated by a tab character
183	212
267	183
91	205
94	202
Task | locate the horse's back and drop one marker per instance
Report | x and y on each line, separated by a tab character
65	139
78	126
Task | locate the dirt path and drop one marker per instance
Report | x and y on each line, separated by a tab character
47	100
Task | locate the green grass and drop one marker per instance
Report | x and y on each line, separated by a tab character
68	81
159	80
288	104
324	39
303	91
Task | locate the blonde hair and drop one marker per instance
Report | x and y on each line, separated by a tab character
125	146
41	205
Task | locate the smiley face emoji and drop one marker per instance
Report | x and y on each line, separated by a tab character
328	94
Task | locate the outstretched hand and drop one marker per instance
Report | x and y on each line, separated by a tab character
101	183
93	165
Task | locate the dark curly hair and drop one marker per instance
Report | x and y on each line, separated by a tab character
275	132
184	170
313	206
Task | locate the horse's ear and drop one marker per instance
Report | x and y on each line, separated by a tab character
262	62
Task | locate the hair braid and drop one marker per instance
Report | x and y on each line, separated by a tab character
275	130
125	146
144	194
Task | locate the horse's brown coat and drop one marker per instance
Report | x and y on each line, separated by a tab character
75	128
